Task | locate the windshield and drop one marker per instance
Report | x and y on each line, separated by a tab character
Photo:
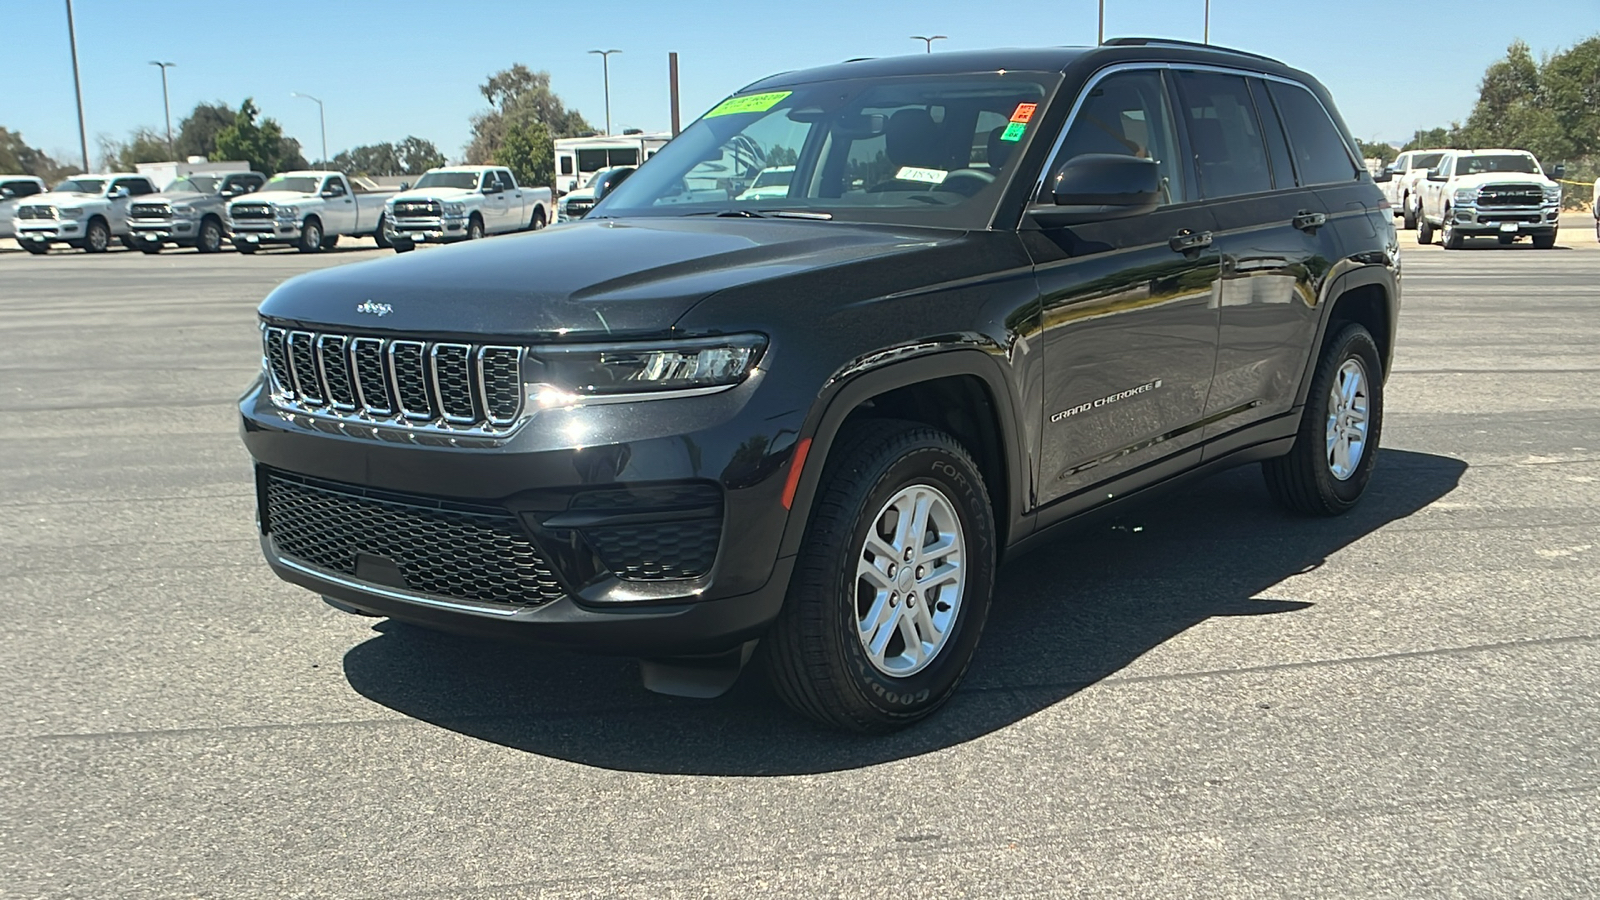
933	150
463	180
1426	160
1503	162
298	184
82	185
199	184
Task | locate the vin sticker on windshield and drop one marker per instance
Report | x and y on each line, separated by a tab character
749	103
1013	132
926	176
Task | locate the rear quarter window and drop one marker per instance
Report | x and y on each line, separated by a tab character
1321	153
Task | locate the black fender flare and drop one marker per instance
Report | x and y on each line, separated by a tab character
845	395
1363	276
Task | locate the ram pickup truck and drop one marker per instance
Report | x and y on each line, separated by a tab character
309	210
84	212
190	212
1489	193
13	189
464	203
804	431
576	204
1400	179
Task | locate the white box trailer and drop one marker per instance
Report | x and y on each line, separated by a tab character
577	159
162	174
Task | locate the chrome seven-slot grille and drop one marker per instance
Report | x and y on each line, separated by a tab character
149	211
36	212
416	209
251	210
1510	195
420	383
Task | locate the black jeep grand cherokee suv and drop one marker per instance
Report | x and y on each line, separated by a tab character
1003	288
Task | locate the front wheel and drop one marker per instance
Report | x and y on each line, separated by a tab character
330	242
1451	237
538	221
1408	214
310	237
1544	241
892	585
210	237
97	237
1328	469
474	229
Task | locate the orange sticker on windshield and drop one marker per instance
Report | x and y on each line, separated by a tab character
1024	112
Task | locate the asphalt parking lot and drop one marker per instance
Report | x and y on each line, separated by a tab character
1203	698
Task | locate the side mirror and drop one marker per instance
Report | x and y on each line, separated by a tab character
120	194
1560	171
228	192
1436	175
1098	187
405	185
7	193
1383	176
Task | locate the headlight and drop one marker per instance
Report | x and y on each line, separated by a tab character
1467	195
1552	194
183	212
455	209
589	373
286	212
68	213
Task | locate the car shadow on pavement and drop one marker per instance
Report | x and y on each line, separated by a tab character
1064	618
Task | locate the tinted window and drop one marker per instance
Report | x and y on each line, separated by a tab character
1277	144
566	165
245	183
624	156
1225	135
21	188
591	160
507	181
1504	162
333	186
1125	114
1320	151
135	186
1426	160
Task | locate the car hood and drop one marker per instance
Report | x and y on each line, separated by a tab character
434	194
175	197
1466	181
590	279
285	198
62	198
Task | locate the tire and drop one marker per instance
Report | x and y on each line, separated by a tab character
1312	478
37	248
379	237
1450	236
209	240
96	236
1424	230
246	248
539	222
310	237
403	246
474	228
1545	241
1408	216
151	249
330	242
815	655
127	243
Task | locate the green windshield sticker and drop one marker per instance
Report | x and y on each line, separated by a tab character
1013	132
749	103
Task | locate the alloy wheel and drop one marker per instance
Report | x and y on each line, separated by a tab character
1348	408
910	578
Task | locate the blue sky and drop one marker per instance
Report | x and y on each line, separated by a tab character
389	69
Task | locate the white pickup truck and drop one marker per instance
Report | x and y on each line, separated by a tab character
13	188
310	210
464	203
1490	193
85	211
1399	181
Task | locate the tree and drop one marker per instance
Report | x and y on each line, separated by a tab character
262	145
1430	139
1377	150
197	132
144	145
520	97
368	159
417	155
17	156
526	150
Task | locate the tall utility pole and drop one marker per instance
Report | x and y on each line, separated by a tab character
928	41
323	118
605	65
77	87
167	104
1207	37
1102	39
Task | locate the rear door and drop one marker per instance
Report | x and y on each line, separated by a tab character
1277	246
1129	328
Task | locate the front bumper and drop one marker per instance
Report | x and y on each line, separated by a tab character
534	477
49	230
1515	221
439	230
263	231
158	231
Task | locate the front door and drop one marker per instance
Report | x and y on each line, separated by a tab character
494	203
1129	326
338	210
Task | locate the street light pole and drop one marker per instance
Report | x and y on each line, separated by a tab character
166	103
77	87
323	118
928	41
605	65
1207	37
1103	22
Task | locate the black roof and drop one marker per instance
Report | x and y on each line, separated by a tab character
1029	59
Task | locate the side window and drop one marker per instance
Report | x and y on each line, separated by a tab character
624	156
1128	113
1272	128
507	180
1403	163
488	183
1320	151
1225	135
247	184
334	187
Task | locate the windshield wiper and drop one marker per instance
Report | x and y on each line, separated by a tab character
800	214
764	214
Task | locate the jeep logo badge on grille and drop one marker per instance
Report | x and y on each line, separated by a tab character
376	309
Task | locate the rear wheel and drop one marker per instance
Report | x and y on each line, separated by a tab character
310	237
1545	241
539	221
127	243
892	585
1424	230
210	237
1328	469
1408	214
97	237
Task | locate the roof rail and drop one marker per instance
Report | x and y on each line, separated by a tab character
1174	42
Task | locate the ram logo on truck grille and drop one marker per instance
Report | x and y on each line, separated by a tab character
252	211
416	209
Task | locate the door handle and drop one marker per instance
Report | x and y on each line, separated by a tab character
1186	241
1309	221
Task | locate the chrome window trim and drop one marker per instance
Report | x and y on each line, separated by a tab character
1169	66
